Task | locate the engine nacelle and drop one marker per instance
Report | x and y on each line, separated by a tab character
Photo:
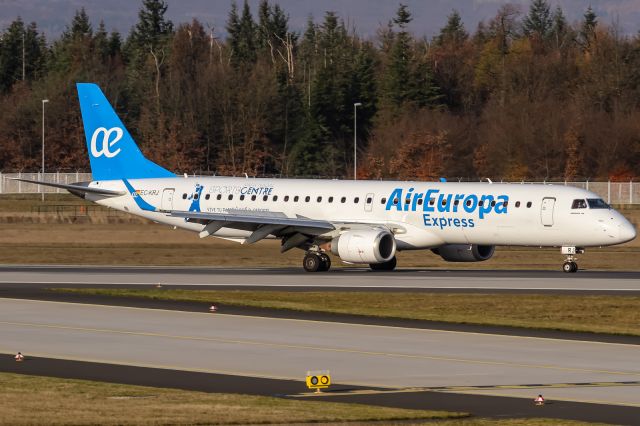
365	246
465	252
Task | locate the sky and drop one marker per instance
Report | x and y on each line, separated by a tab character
365	15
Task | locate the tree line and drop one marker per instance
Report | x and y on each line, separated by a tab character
526	95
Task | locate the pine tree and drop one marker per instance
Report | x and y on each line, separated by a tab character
538	22
588	27
152	30
242	35
454	32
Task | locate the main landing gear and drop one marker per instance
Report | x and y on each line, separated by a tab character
316	262
570	265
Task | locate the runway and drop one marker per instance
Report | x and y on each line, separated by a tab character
346	279
489	371
359	355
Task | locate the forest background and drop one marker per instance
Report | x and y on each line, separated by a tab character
526	96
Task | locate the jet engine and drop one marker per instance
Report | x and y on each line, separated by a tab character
464	252
365	246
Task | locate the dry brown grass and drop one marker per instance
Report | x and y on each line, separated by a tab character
595	314
32	400
29	238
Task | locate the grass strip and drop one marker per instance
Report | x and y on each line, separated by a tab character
593	314
44	400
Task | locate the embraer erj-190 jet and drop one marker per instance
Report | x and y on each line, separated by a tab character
362	222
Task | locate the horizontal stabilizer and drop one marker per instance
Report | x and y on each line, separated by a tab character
76	189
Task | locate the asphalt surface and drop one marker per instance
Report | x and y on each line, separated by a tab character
359	355
47	292
483	406
468	371
345	279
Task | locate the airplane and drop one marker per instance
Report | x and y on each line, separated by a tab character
359	221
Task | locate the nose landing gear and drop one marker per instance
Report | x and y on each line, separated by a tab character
570	265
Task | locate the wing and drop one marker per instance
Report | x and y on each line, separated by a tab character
262	224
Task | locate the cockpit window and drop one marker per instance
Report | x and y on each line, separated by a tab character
597	203
579	204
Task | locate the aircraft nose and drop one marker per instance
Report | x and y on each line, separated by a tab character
627	232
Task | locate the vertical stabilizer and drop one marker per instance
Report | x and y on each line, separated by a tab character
112	151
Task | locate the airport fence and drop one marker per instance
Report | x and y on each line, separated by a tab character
612	192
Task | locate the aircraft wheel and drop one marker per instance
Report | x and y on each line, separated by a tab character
325	262
312	262
389	265
570	267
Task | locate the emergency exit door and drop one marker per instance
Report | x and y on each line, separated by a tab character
167	199
546	212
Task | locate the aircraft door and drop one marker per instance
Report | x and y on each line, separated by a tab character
546	212
167	199
368	203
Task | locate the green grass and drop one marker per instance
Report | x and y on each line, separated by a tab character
29	400
594	314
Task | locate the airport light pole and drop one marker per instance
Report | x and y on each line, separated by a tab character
355	139
44	101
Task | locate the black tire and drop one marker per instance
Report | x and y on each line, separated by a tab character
569	267
311	262
325	262
389	265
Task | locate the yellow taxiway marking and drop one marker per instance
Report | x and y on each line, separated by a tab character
314	348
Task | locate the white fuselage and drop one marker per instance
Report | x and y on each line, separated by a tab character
420	214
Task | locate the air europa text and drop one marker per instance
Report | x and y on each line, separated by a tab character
469	203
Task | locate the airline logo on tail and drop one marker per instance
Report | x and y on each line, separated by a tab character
107	143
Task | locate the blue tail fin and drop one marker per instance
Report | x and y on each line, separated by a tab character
112	151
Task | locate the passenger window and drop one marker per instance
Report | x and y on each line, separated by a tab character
307	198
369	200
407	200
219	197
184	196
456	202
356	200
395	201
242	197
480	203
468	203
493	204
432	201
206	197
286	198
275	198
343	199
506	203
444	202
383	201
196	196
265	198
319	199
517	203
420	201
253	198
529	204
295	199
331	199
579	204
230	197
